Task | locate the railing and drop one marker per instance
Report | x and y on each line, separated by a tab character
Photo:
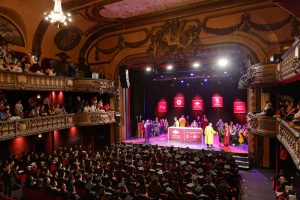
290	64
31	126
290	139
23	81
88	119
262	125
259	74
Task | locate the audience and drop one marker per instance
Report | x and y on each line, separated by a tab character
126	172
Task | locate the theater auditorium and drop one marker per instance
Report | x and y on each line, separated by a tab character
149	100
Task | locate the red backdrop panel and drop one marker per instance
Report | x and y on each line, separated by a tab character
162	106
217	102
197	104
239	107
178	102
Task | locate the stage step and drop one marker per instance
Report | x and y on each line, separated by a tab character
242	160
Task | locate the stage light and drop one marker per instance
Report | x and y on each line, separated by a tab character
148	69
205	80
196	65
169	67
192	74
223	62
161	76
182	81
188	84
225	72
39	135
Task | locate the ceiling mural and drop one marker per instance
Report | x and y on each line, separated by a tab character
180	37
10	32
131	8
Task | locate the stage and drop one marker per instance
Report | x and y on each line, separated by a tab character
162	140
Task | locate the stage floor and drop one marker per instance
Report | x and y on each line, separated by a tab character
162	140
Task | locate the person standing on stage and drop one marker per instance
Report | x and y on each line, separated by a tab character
226	134
147	130
194	124
209	135
198	120
156	127
182	121
176	122
220	129
204	122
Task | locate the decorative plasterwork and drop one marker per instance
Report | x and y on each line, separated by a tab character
183	36
10	32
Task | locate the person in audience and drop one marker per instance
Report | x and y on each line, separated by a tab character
289	112
43	110
35	112
50	72
296	119
268	109
78	105
5	114
106	107
100	103
19	109
86	108
209	135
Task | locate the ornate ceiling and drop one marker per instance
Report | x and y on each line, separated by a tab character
131	8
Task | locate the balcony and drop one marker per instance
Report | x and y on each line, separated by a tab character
32	126
290	64
259	74
91	119
272	127
290	138
23	81
262	125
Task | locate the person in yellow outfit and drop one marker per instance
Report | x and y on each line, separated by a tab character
209	135
182	121
176	122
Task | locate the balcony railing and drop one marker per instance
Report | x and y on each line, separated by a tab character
262	125
270	73
88	119
259	74
290	64
290	139
23	81
32	126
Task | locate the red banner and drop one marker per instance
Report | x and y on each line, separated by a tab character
178	102
162	106
197	104
239	107
217	102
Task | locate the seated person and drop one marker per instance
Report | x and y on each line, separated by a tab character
50	72
289	112
296	119
19	109
194	124
16	67
35	112
106	107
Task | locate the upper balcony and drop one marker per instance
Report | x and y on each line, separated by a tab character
24	81
273	73
33	126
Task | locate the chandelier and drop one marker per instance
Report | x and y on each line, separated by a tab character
57	16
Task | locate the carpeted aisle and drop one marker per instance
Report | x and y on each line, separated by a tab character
257	185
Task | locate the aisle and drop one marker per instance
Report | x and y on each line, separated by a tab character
256	184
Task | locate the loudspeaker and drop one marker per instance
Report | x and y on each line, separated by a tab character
124	76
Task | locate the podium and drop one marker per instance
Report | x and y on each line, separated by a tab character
185	134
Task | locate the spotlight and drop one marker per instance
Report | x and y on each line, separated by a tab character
205	80
39	135
182	81
169	67
161	76
192	74
225	72
196	65
188	84
148	69
223	62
